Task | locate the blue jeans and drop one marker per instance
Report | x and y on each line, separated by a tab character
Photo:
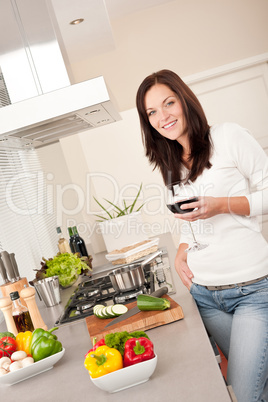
238	321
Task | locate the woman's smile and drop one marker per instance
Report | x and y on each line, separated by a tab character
167	126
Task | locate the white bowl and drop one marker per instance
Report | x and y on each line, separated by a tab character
32	370
126	377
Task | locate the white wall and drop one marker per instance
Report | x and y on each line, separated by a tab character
187	36
59	182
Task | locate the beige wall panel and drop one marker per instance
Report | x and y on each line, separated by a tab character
184	36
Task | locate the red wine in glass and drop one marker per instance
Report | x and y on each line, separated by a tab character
178	194
175	208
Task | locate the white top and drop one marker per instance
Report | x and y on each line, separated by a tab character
237	251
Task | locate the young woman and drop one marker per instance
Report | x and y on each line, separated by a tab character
228	171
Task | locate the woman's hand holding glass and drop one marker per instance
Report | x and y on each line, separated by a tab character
181	200
204	208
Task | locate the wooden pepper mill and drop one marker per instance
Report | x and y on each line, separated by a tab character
6	307
28	294
9	287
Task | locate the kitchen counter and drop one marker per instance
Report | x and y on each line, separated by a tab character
187	369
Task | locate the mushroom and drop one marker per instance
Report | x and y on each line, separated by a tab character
2	372
6	365
4	360
15	366
19	355
27	361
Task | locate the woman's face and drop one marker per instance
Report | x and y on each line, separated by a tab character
165	112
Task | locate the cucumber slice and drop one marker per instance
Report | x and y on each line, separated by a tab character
119	309
115	310
105	312
109	312
99	313
95	308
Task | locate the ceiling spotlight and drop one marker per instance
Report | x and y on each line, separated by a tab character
77	21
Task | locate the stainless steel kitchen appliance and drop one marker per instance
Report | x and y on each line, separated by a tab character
131	276
99	289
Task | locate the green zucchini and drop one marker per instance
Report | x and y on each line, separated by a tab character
147	303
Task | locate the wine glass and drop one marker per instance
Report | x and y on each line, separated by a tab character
178	194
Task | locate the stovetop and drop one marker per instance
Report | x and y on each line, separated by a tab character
92	291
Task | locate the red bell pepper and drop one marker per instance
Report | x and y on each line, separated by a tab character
138	350
101	342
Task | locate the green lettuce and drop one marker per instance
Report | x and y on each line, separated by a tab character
117	340
67	267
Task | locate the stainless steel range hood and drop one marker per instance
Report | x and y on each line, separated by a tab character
46	118
38	106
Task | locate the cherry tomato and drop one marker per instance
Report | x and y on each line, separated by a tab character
7	346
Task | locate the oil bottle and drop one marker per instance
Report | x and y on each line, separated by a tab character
20	314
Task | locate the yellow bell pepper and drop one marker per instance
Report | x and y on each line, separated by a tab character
23	340
102	361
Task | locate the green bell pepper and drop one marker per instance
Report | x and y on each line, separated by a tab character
44	344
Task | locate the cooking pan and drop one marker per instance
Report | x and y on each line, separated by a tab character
130	276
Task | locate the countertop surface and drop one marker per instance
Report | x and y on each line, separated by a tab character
186	371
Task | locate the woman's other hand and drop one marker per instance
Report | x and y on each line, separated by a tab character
181	266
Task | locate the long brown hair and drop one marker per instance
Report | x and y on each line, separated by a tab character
166	154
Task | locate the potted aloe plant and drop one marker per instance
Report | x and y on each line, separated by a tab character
122	226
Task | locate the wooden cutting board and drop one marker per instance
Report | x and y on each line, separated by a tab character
142	321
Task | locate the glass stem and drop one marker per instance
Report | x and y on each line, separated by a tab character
192	232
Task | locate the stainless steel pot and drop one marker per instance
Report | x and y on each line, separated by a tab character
130	276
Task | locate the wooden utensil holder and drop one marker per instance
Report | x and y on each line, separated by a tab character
13	287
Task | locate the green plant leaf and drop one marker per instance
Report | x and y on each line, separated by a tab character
116	207
137	196
120	214
107	212
128	209
140	207
103	218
